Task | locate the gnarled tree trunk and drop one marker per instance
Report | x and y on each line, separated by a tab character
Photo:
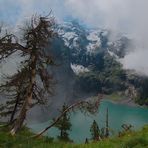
14	110
28	100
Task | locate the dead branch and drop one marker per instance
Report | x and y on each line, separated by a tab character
58	118
71	107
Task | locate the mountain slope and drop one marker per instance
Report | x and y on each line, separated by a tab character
94	60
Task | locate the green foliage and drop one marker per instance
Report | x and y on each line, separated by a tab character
109	79
22	140
141	85
136	142
95	131
64	125
99	134
22	89
112	78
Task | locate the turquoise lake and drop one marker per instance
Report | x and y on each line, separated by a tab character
118	115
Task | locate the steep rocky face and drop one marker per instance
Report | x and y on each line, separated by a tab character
94	60
88	46
91	55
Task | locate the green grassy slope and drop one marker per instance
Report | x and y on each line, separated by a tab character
21	140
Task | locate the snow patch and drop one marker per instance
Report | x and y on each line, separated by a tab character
91	47
93	36
113	54
77	69
69	35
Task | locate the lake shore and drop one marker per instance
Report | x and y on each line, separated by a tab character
127	102
118	99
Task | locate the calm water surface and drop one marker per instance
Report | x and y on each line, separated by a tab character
118	115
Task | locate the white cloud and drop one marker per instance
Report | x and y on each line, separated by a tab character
137	61
126	16
129	16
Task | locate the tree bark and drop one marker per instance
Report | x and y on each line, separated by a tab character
14	110
15	107
28	100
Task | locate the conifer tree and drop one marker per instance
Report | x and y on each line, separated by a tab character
64	125
95	131
31	84
89	106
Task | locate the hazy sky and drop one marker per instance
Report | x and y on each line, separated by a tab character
130	16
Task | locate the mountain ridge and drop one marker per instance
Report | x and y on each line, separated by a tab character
95	61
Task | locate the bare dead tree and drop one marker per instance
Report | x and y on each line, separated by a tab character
32	83
107	125
90	106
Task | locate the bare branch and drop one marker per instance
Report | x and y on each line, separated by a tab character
82	104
